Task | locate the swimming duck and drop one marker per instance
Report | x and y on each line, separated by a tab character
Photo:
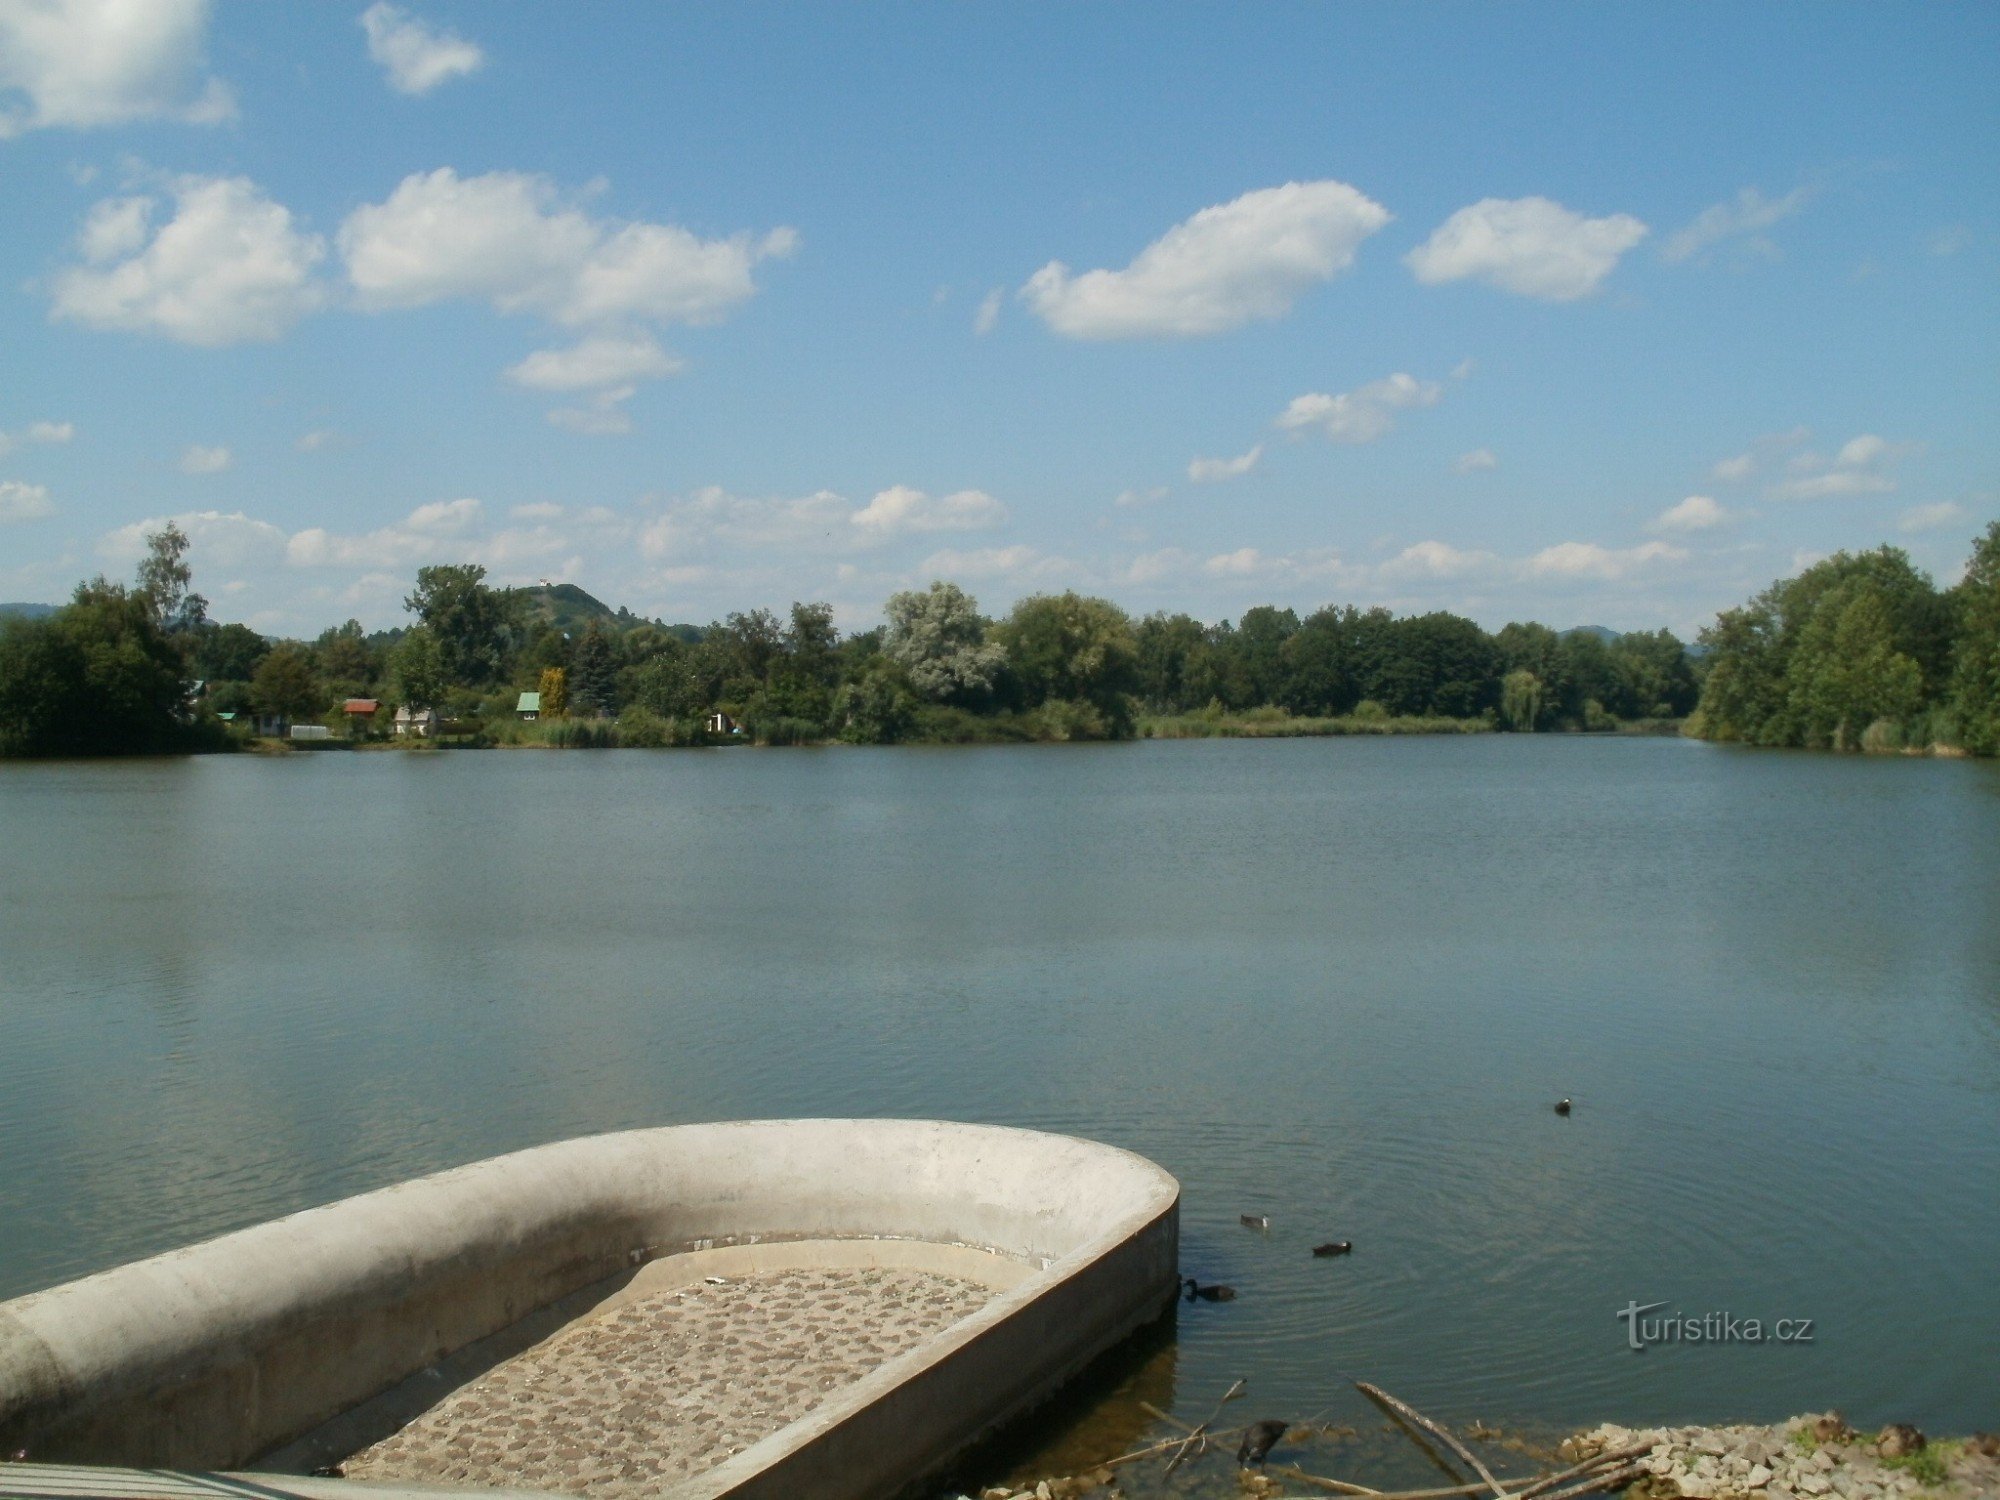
1259	1438
1562	1106
1210	1293
1334	1247
1254	1221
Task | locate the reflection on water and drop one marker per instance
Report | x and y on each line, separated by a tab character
1338	982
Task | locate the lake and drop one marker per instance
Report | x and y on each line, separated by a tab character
1339	982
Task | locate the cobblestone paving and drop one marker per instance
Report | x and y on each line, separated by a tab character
669	1385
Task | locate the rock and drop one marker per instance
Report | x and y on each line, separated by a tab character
1697	1488
1832	1428
1984	1444
1822	1460
1758	1477
1813	1484
1899	1440
1709	1443
1043	1492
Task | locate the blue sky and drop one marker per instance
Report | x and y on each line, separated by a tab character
1585	314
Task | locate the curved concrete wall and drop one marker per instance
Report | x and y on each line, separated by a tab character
208	1356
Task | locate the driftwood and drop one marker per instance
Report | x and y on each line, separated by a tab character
1410	1413
1199	1434
1615	1456
1610	1480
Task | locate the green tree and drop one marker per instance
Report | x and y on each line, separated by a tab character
286	684
1845	671
555	693
1975	681
1069	647
878	709
416	669
164	576
940	640
1170	650
344	655
1521	700
593	679
98	677
227	652
474	626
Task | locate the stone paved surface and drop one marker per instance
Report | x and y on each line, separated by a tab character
663	1387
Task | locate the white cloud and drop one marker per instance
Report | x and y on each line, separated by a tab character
197	459
540	510
1591	561
1129	499
602	415
1435	560
1749	214
24	502
1530	246
51	432
988	317
510	239
1209	470
228	541
228	268
442	530
713	516
1017	564
312	442
1478	461
1858	468
1235	263
1762	451
603	359
900	510
417	56
1696	513
83	63
1931	517
1363	415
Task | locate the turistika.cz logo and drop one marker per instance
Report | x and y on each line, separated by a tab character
1712	1328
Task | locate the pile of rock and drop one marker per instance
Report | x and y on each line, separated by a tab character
1804	1459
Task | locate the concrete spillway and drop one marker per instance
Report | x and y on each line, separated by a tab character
805	1308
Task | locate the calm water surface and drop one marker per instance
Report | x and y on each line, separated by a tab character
1336	981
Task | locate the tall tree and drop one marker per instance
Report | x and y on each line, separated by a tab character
416	668
1069	647
474	626
286	684
98	677
593	673
164	576
1975	683
940	639
555	693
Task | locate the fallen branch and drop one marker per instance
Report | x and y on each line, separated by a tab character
1198	1433
1410	1413
1615	1479
1615	1456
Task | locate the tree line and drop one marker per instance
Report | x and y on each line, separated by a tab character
1852	644
1861	651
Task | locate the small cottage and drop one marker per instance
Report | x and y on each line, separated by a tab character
360	715
528	707
719	723
416	723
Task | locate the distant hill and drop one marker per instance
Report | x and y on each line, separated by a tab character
1603	632
571	609
28	611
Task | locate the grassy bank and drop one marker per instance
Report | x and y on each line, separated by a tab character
1276	723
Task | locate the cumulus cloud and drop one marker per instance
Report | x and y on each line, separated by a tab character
988	317
223	540
38	432
1478	461
416	55
1746	216
1588	560
1239	262
510	239
82	63
539	510
1931	517
229	267
1363	415
1858	468
1131	499
430	532
198	459
602	360
900	510
24	502
1696	513
1209	470
1020	564
1533	247
1436	560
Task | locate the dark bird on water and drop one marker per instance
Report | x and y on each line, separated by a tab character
1259	1438
1334	1247
1562	1106
1209	1293
1255	1221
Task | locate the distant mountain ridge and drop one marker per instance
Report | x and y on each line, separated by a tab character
28	611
